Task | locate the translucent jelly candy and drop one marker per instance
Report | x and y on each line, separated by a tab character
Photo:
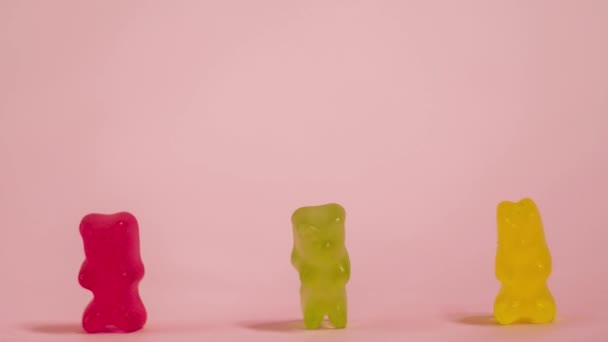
322	261
112	270
523	264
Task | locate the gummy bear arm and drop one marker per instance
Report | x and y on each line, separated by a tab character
501	268
131	274
344	268
544	264
84	276
295	259
308	275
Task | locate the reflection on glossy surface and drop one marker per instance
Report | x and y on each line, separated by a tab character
322	262
112	270
523	264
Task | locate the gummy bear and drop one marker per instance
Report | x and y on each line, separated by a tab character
523	264
112	270
322	262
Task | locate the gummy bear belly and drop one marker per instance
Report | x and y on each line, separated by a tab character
116	295
525	295
322	292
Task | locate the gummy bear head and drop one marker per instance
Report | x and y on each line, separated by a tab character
319	231
113	236
519	224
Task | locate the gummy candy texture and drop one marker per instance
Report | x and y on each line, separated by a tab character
112	270
320	257
523	264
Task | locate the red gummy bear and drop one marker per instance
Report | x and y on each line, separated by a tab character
112	270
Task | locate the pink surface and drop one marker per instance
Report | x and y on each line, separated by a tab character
212	121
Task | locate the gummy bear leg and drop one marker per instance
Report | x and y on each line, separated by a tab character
543	308
131	318
93	319
338	314
507	310
131	315
313	316
314	312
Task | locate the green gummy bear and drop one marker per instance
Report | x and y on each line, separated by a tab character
320	256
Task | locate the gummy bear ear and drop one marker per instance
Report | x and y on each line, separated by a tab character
337	212
530	206
505	215
503	209
86	228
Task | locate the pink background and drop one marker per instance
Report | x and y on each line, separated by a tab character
212	121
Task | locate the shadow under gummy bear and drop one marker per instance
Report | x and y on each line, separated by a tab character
75	328
297	326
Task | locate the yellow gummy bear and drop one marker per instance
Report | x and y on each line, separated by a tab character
523	264
322	262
